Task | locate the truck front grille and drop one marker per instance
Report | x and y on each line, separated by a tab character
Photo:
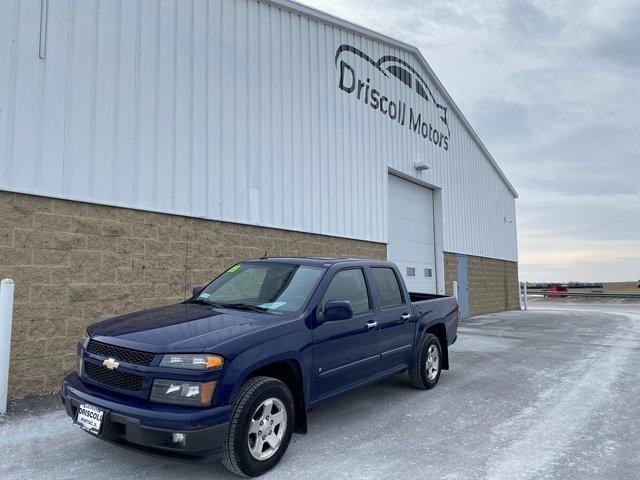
119	353
113	378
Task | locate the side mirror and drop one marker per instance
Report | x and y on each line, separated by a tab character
197	290
337	310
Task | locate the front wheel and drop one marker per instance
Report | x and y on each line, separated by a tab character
425	371
261	427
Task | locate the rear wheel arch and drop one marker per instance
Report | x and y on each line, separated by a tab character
440	332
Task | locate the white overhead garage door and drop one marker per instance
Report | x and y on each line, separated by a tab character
411	234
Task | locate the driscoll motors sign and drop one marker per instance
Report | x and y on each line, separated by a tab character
411	116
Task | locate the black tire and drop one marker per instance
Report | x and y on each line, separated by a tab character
418	375
237	456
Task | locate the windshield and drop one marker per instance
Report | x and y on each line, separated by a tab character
264	286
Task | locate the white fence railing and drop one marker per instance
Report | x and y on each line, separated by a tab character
526	292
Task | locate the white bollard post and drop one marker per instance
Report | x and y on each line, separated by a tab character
6	318
524	296
520	305
455	289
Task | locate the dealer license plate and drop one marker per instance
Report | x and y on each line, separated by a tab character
89	418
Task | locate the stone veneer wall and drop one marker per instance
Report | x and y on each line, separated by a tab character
76	263
493	284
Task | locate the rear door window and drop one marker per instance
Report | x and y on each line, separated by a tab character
387	287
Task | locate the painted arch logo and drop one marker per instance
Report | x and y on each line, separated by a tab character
395	109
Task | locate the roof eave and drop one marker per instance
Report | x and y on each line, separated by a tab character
321	16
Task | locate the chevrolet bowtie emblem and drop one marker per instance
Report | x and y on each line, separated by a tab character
111	364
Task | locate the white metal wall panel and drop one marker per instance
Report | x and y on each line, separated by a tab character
412	235
229	110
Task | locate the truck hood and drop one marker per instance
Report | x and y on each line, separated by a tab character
180	328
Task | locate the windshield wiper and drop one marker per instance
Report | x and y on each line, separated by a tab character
237	306
242	306
199	301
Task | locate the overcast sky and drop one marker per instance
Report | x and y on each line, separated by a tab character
553	89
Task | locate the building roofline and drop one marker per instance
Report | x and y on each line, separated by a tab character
321	16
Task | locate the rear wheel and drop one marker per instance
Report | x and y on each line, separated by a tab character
425	371
261	426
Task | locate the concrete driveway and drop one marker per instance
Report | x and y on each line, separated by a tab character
553	392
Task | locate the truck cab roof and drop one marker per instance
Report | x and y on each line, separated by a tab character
320	261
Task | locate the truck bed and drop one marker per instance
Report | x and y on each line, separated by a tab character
420	297
431	308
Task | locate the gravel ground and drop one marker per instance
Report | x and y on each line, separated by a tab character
550	393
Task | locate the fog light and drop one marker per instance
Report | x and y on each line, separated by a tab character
179	440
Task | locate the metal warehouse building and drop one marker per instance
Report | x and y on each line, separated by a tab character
146	145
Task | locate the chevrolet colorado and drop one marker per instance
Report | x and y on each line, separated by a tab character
231	372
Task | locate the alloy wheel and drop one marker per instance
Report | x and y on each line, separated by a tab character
267	428
432	364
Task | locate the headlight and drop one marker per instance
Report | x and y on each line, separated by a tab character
200	361
178	392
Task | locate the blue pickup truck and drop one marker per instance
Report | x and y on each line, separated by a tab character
231	373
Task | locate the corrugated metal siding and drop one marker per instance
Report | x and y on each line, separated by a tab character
226	110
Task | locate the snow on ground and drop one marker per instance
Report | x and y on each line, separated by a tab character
547	393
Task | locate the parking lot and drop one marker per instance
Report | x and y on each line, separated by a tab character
553	392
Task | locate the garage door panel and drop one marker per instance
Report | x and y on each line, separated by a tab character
407	214
408	229
410	262
407	256
418	281
409	245
412	194
411	234
402	206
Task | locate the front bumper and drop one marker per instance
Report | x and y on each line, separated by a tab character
128	425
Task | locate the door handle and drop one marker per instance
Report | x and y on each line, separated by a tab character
372	325
406	317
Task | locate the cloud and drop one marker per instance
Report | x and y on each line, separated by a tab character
528	25
505	118
552	89
619	45
586	260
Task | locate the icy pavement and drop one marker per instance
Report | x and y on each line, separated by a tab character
550	393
